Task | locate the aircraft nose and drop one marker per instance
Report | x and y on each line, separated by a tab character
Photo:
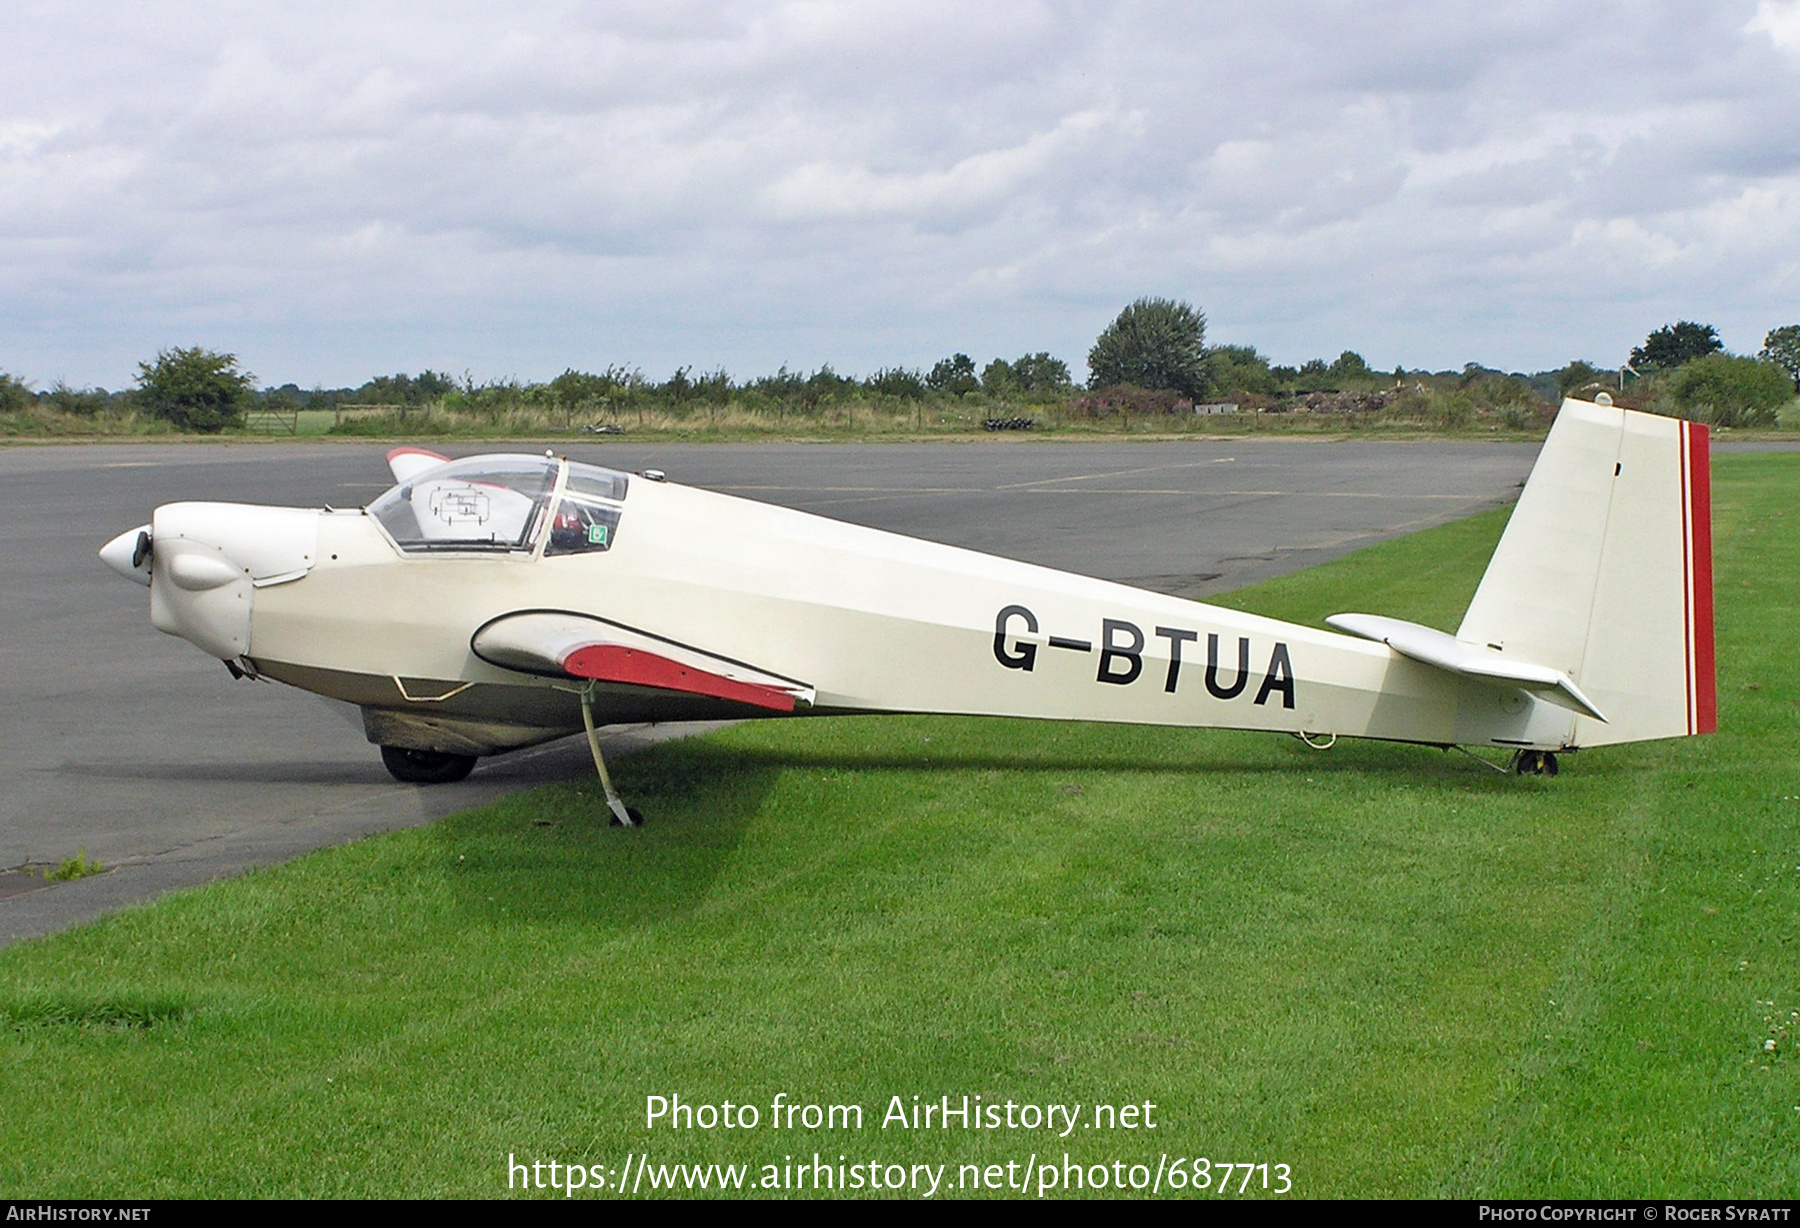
271	545
129	554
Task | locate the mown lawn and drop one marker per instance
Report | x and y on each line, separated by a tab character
1391	969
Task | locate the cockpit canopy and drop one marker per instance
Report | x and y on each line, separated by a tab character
503	503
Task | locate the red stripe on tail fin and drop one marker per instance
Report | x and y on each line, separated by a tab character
1700	578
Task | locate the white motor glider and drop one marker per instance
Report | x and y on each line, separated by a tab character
490	603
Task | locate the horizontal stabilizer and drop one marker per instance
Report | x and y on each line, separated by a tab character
1477	661
560	645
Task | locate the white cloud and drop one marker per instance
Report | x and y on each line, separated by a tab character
1780	20
343	188
831	190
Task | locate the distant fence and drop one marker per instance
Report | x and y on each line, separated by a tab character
285	419
273	421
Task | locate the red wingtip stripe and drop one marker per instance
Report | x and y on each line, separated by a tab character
1706	687
615	663
409	450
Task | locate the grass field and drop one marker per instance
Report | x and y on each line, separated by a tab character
1388	968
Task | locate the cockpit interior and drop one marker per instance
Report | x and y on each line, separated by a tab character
504	503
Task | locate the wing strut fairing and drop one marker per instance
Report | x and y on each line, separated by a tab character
556	644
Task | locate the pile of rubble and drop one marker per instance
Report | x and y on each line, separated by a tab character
1340	402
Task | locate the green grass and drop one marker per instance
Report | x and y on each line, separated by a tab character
1387	967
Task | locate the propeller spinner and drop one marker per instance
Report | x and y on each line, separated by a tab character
130	554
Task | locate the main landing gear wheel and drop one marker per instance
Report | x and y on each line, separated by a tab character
426	767
1535	763
636	815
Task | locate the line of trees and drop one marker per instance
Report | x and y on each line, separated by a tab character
201	390
1691	369
1158	346
1155	352
1151	358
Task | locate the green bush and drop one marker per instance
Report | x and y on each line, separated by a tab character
1455	407
1039	375
195	389
15	394
1730	391
391	425
998	380
900	382
1240	369
78	402
1350	366
403	389
1314	375
1580	377
954	375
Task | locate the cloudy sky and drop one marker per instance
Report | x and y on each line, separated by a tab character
332	190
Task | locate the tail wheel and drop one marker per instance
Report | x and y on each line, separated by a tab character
425	767
1535	763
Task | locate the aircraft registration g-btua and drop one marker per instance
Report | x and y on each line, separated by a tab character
494	602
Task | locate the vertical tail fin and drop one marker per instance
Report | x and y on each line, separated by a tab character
1605	572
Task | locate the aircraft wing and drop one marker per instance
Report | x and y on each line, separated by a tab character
558	644
1455	656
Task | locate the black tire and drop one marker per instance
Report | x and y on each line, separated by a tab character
426	767
1548	765
1528	763
637	818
